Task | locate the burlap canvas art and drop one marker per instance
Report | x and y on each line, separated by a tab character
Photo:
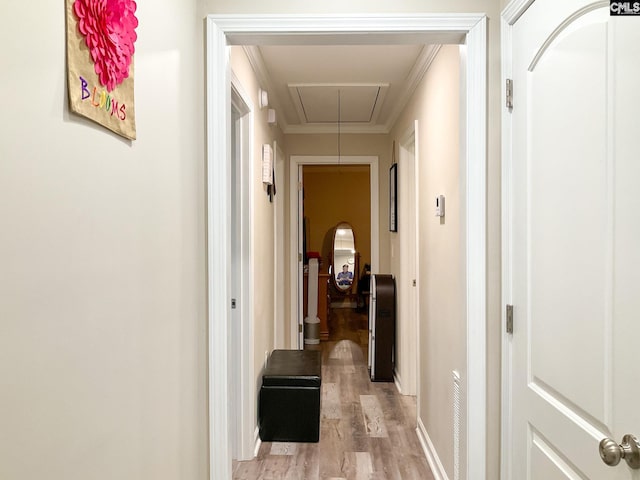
100	47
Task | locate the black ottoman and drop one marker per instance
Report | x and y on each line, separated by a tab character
289	403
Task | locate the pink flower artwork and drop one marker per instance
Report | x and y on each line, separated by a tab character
108	28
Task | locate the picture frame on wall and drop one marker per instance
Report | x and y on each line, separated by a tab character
393	195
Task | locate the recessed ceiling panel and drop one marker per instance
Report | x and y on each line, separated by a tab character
375	83
318	103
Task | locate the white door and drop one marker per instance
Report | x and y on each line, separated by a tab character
575	240
236	280
406	326
280	278
301	254
241	395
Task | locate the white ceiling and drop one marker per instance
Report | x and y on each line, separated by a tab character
370	83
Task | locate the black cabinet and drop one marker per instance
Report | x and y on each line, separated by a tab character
382	327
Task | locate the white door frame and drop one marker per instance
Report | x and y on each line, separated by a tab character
279	221
241	353
224	30
409	382
295	162
510	15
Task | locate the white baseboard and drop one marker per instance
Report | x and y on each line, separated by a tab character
433	460
257	442
397	381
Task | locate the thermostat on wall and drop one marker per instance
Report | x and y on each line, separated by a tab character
440	206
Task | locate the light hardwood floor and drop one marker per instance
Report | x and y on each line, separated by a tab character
367	429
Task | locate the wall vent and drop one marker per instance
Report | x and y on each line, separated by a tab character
456	425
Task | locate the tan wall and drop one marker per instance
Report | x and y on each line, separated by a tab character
103	361
333	195
442	341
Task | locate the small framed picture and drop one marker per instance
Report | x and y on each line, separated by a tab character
393	192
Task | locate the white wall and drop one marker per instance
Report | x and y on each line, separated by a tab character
103	365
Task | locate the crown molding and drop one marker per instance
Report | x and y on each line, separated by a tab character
420	68
415	76
264	79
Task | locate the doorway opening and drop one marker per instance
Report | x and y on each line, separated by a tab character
297	163
337	213
240	397
468	30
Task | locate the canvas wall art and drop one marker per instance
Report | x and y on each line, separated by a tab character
101	36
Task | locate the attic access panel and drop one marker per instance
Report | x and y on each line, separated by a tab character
318	103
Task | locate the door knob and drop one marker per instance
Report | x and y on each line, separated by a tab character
611	453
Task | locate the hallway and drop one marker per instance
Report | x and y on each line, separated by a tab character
367	428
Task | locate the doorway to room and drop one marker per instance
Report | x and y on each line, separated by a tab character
240	335
465	29
297	165
335	197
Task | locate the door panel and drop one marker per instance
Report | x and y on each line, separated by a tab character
547	464
576	232
627	220
405	354
568	219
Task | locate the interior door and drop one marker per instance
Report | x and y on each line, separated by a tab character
406	361
236	280
575	240
301	253
280	322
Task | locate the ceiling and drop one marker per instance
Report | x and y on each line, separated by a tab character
365	87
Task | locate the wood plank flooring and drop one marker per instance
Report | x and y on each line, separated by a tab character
367	429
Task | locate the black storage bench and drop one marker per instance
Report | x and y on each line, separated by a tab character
289	403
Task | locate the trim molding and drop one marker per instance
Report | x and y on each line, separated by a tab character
417	73
256	442
295	161
475	133
242	337
224	30
397	381
433	460
407	141
416	133
419	69
511	13
218	248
